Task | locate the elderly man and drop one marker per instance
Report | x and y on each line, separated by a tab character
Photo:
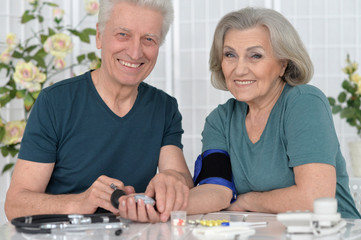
106	127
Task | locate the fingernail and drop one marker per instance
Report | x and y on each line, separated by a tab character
123	203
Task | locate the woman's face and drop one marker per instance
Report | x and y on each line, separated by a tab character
251	71
130	43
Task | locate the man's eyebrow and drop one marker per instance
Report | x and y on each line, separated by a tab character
153	35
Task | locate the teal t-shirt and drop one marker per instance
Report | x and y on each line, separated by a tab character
71	126
299	130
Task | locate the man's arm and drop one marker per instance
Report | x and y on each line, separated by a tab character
171	185
26	194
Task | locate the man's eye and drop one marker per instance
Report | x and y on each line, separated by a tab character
122	34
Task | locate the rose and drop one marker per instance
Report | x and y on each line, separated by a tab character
28	76
14	131
32	1
58	13
5	56
59	63
58	45
11	41
91	7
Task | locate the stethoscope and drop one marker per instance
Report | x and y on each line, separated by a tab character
54	223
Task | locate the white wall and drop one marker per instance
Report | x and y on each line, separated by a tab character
329	28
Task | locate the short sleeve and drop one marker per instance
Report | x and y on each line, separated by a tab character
173	127
213	134
39	142
309	131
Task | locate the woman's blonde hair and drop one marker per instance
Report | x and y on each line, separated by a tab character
285	41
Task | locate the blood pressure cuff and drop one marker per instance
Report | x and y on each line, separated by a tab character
214	167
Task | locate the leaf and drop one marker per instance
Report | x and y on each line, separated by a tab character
4	151
28	102
51	4
35	95
336	109
347	113
20	93
30	48
92	56
12	150
342	97
7	167
80	58
4	90
2	133
51	32
16	54
90	31
73	31
84	38
40	19
332	101
40	60
43	38
27	17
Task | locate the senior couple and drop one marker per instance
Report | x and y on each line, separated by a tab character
271	148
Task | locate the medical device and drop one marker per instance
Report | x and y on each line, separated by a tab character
325	219
51	223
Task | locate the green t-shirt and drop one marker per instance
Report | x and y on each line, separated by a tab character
71	126
299	130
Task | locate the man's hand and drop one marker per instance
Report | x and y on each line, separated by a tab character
98	195
170	191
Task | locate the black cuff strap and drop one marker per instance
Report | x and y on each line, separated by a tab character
215	165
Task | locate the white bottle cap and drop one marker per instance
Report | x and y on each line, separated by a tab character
325	206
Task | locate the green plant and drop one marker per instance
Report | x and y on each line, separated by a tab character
33	62
348	101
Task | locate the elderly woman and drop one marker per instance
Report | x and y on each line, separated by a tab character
276	136
106	129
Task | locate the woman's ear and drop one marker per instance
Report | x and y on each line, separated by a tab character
284	64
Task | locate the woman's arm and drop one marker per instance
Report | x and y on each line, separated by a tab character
313	180
208	198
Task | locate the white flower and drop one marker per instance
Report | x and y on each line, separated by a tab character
5	56
92	7
58	45
28	76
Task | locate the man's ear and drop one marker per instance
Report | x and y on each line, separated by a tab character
98	38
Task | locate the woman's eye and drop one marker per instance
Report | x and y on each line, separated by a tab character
228	54
257	56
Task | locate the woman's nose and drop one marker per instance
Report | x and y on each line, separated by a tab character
242	67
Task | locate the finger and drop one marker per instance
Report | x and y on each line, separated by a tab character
179	197
129	189
132	209
150	191
141	211
123	210
169	204
153	215
160	196
185	198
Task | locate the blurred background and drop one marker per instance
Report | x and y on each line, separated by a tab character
330	29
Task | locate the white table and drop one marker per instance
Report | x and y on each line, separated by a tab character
164	231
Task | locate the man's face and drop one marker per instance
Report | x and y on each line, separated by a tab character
130	43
